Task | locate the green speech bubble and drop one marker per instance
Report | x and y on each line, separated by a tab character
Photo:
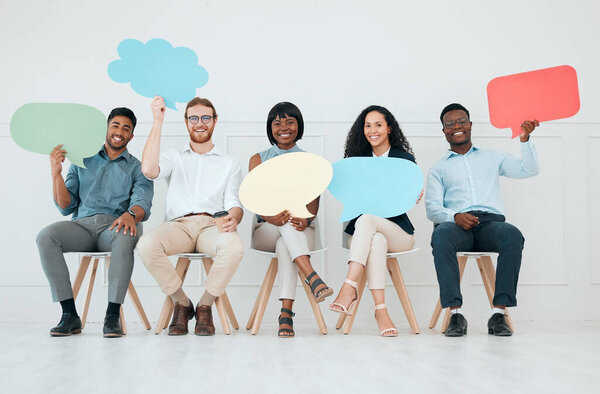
39	127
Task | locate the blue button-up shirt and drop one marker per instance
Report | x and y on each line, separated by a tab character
109	187
471	182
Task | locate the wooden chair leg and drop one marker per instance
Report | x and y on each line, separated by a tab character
207	263
361	287
490	272
262	304
436	314
138	305
400	286
183	263
313	304
263	288
229	311
84	263
462	263
88	297
340	321
485	277
123	325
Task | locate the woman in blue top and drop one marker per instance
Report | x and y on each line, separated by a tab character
290	237
374	133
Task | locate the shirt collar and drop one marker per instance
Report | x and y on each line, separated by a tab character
125	154
213	151
386	153
451	153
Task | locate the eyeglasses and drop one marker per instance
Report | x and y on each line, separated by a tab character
461	121
194	119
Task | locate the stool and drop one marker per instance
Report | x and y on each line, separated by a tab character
488	276
264	293
84	262
224	308
398	281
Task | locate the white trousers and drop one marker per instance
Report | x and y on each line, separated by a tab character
288	243
373	238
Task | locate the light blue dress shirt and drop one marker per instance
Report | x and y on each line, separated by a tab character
109	187
471	182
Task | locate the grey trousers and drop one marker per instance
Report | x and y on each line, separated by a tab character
90	234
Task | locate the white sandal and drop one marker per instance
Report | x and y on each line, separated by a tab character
392	330
350	309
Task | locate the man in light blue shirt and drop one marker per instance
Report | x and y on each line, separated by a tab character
463	200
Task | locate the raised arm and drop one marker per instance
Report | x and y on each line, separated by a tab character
59	189
527	165
151	154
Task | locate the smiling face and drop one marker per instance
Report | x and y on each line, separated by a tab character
200	132
377	130
284	131
119	132
457	127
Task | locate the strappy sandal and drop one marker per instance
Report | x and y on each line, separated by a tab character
342	308
393	331
321	294
286	320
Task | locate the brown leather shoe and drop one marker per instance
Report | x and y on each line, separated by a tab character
204	321
181	316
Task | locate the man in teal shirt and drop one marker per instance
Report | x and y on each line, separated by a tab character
108	199
463	201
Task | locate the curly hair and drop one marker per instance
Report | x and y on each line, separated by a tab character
357	144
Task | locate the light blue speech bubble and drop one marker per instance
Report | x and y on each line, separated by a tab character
380	186
158	69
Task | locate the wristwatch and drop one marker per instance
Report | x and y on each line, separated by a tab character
131	212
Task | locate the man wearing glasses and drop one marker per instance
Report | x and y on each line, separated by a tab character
463	201
202	181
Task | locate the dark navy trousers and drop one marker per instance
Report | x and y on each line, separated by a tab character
491	235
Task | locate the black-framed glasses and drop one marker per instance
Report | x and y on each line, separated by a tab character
461	121
204	118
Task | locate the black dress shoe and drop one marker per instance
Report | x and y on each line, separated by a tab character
69	324
112	326
497	325
457	326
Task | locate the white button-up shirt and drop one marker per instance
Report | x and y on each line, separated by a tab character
208	182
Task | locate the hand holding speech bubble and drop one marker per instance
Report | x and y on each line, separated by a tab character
547	94
158	69
380	186
39	127
286	182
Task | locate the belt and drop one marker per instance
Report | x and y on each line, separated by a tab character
196	214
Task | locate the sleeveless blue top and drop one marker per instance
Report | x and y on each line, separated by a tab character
275	151
270	153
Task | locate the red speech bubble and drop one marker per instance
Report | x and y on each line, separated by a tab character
547	94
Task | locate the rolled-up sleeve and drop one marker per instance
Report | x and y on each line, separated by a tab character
165	165
434	198
142	192
231	196
72	184
523	167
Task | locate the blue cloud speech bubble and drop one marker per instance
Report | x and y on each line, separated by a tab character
381	186
158	69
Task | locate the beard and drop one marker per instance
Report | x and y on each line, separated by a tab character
121	145
201	137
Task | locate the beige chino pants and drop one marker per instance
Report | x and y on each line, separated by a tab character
192	234
373	238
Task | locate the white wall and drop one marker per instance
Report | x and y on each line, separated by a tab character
332	59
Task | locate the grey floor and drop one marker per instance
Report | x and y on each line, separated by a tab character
542	357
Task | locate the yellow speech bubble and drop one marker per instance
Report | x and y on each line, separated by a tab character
286	182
